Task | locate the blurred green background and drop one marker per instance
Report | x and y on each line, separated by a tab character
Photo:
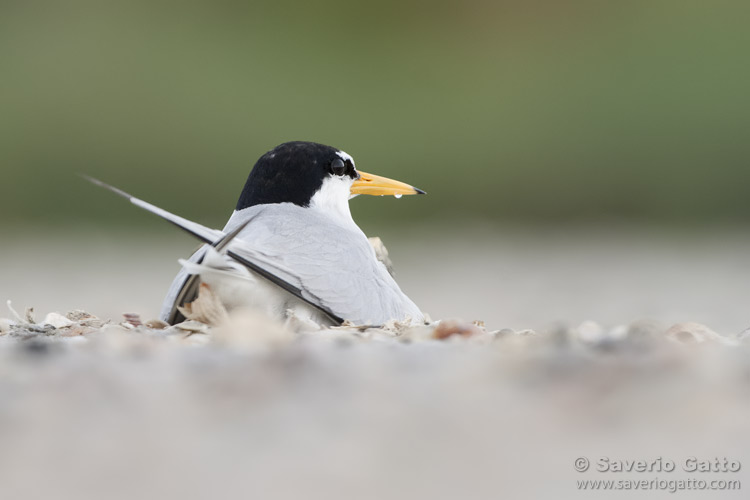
510	111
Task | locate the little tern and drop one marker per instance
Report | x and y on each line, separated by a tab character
291	245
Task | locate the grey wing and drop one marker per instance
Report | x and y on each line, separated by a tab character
332	263
185	286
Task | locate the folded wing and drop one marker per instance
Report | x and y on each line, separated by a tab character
187	289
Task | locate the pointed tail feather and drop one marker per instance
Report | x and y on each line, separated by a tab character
201	232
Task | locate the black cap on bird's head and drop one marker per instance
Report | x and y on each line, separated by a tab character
294	171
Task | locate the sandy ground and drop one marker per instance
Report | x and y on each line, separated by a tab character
503	276
248	410
95	409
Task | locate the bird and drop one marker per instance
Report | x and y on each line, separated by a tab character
291	246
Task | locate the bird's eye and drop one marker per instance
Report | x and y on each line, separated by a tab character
338	167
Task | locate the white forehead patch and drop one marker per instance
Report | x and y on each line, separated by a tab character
346	156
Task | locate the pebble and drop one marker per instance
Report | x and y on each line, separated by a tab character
590	332
157	324
690	332
57	320
449	328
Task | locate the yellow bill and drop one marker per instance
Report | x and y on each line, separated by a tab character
381	186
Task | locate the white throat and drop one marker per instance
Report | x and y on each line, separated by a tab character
333	199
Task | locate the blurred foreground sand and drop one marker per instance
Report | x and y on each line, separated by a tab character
139	413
